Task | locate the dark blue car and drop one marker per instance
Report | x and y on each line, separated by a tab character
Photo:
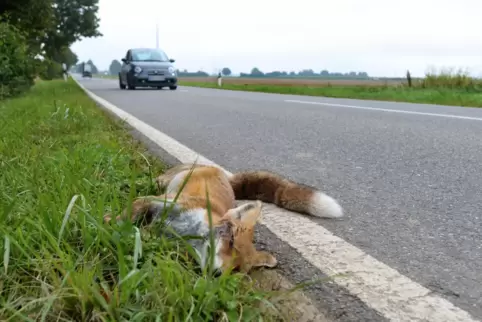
147	67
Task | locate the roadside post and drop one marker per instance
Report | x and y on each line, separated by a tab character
64	71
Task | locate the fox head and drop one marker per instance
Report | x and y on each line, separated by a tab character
237	233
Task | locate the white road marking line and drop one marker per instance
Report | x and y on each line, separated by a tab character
183	90
381	287
387	110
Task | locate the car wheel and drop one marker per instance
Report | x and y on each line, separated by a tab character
129	86
121	86
172	88
160	87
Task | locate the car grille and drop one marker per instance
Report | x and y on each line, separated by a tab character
155	72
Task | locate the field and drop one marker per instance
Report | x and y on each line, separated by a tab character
446	88
315	82
64	164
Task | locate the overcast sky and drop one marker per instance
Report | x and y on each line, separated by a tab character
381	37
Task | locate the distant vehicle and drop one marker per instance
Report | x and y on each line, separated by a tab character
147	67
87	70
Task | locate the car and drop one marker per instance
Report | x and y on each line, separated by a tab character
87	70
147	67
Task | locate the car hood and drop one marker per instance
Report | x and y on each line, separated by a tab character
152	64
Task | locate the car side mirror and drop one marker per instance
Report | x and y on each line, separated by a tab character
172	60
124	60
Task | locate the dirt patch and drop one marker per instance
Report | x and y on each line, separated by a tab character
292	305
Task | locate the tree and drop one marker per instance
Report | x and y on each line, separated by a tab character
52	25
31	17
226	71
306	72
363	74
79	67
43	31
17	70
274	74
52	66
256	72
115	67
50	69
70	58
72	20
65	55
325	73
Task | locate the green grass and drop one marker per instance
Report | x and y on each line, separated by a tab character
63	164
442	95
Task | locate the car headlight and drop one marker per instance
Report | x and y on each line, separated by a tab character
137	69
171	70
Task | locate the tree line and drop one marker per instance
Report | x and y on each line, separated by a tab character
256	72
115	68
35	39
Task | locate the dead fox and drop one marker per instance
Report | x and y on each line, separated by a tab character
233	227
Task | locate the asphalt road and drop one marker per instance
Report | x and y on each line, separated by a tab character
411	184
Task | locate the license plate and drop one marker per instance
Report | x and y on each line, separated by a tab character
156	78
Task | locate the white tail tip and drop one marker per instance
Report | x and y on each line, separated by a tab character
324	206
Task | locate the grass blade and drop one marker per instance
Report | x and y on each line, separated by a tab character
137	247
67	216
6	254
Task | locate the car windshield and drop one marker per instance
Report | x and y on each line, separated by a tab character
149	55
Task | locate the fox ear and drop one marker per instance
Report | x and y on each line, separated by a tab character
264	259
247	213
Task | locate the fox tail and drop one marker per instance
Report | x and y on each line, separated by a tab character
272	188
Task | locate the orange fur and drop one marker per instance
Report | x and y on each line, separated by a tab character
234	225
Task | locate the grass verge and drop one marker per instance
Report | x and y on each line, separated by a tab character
63	165
437	95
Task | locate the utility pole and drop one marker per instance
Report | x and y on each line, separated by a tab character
157	36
